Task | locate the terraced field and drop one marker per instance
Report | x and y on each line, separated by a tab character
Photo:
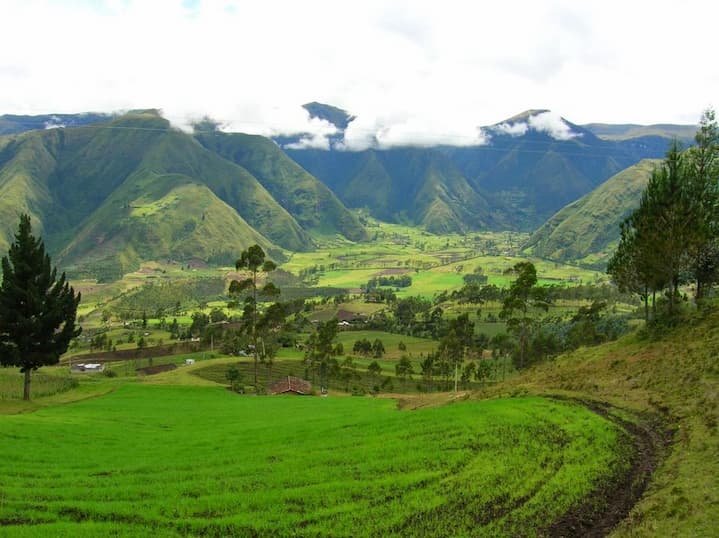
178	460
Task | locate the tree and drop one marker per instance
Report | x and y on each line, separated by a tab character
253	259
673	236
404	369
377	348
703	171
523	294
363	347
453	345
374	369
320	347
37	309
234	376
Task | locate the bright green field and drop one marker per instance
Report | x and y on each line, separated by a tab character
166	461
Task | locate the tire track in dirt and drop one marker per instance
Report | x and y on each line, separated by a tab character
612	500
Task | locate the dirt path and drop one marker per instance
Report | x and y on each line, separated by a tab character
612	501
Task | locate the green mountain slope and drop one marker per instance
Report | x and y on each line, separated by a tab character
309	201
108	196
167	216
587	230
25	166
531	166
415	185
178	153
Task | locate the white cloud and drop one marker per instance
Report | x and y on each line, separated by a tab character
416	71
552	124
54	123
310	142
512	129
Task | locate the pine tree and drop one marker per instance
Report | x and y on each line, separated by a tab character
703	172
37	309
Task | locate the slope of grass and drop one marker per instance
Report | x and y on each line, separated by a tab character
675	377
307	199
590	225
168	461
172	218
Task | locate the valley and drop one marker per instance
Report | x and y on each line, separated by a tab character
474	370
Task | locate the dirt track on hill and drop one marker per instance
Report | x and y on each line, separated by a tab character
613	500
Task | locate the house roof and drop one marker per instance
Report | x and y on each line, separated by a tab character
290	384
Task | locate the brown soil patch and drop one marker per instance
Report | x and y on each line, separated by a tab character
150	370
394	271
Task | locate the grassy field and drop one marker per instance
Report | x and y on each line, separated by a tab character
168	461
675	378
45	383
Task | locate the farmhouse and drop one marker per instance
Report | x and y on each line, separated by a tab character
86	368
290	385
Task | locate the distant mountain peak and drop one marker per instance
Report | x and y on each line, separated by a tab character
542	121
338	117
524	116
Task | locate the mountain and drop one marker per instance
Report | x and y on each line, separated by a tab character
531	166
627	131
587	230
415	185
13	123
336	116
313	204
108	196
537	168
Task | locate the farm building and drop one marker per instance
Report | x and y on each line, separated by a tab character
86	368
290	385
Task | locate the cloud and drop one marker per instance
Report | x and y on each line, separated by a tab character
54	123
512	129
310	142
418	72
552	124
384	132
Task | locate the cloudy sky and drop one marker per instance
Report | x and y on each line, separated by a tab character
409	70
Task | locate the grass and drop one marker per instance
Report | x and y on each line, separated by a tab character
168	461
675	377
47	382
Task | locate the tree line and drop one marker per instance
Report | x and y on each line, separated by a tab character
672	238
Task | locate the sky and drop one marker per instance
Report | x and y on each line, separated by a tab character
412	72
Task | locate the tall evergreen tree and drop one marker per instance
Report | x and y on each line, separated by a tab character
37	309
703	185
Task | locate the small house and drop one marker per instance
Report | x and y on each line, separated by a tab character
290	385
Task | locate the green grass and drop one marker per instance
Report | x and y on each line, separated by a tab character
675	377
587	230
47	382
168	461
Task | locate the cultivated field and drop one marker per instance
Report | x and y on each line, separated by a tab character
172	460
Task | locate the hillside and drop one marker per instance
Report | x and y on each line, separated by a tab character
530	167
313	205
587	231
15	123
673	383
108	196
626	131
419	186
